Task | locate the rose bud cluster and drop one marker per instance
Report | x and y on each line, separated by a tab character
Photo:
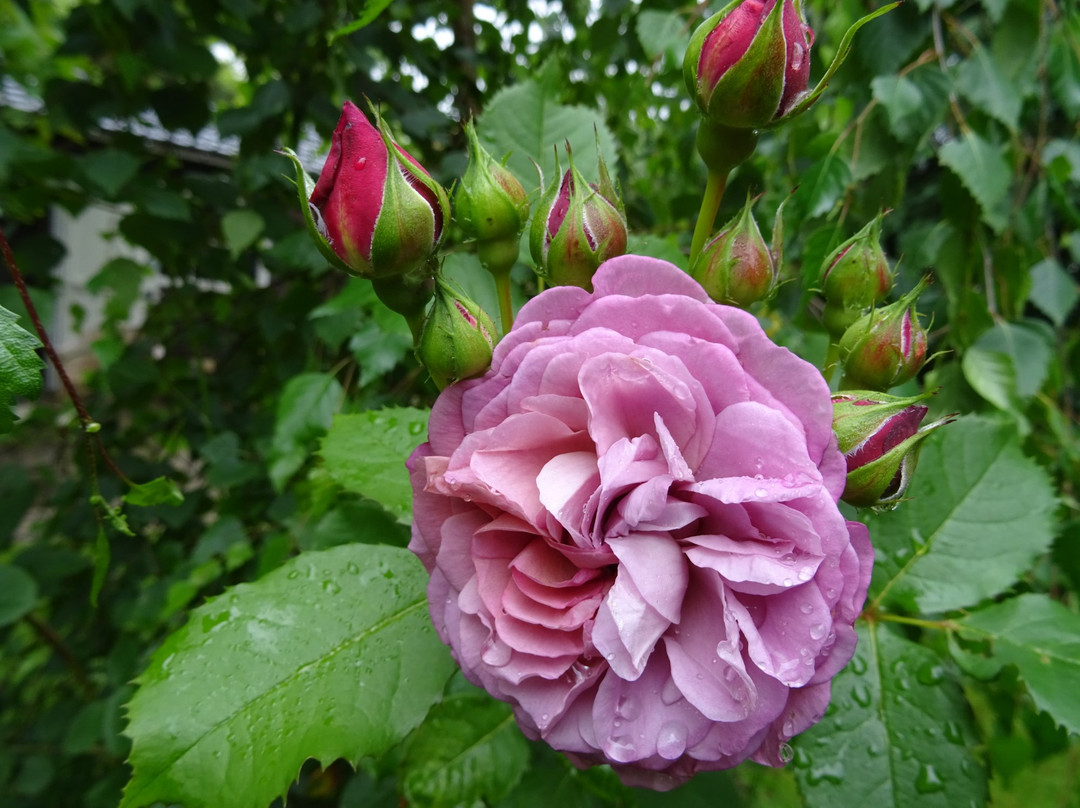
748	64
736	266
855	276
576	228
885	347
491	207
457	337
880	436
632	531
374	206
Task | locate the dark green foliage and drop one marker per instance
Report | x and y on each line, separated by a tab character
257	369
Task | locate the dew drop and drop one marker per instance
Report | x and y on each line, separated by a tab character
788	729
928	781
671	740
788	582
806	608
352	568
292	576
817	631
861	694
361	163
786	753
954	733
798	53
761	493
671	693
829	772
931	674
858	666
331	586
805	574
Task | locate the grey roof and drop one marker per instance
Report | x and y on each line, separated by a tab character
206	145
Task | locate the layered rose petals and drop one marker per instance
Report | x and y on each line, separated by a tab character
631	528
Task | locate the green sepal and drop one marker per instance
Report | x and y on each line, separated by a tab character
305	186
841	54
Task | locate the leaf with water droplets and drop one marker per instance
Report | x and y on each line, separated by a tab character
365	453
1042	639
977	515
468	748
898	733
330	656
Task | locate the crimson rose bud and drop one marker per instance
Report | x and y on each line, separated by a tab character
736	267
375	206
576	228
880	436
885	347
855	276
749	63
457	338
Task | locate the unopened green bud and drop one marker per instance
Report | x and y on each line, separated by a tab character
490	203
855	276
736	267
457	339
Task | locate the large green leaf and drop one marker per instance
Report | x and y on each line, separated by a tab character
467	749
527	122
1042	639
20	366
330	656
980	80
366	453
898	733
979	513
984	171
18	593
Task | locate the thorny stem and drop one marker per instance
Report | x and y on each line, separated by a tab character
93	440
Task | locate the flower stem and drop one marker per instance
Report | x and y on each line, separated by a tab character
710	204
506	305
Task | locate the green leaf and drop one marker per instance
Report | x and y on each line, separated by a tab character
527	122
305	410
102	557
898	733
980	80
160	491
366	452
1064	70
1053	290
1029	344
20	366
468	748
109	169
978	515
114	516
984	171
992	374
330	656
903	104
663	34
18	593
368	12
241	228
123	278
1042	639
821	187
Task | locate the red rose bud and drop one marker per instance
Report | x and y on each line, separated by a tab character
855	276
736	267
886	347
376	207
880	436
490	202
748	64
575	229
457	338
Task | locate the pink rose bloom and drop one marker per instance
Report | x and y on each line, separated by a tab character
631	528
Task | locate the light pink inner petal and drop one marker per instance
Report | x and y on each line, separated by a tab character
732	490
627	628
566	483
786	631
520	606
706	664
656	565
753	567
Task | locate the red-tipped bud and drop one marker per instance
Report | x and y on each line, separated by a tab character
374	205
575	229
457	338
748	64
886	347
736	267
880	436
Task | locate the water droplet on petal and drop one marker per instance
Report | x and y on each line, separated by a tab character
671	740
360	163
806	608
817	631
628	707
788	582
786	753
798	53
761	493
